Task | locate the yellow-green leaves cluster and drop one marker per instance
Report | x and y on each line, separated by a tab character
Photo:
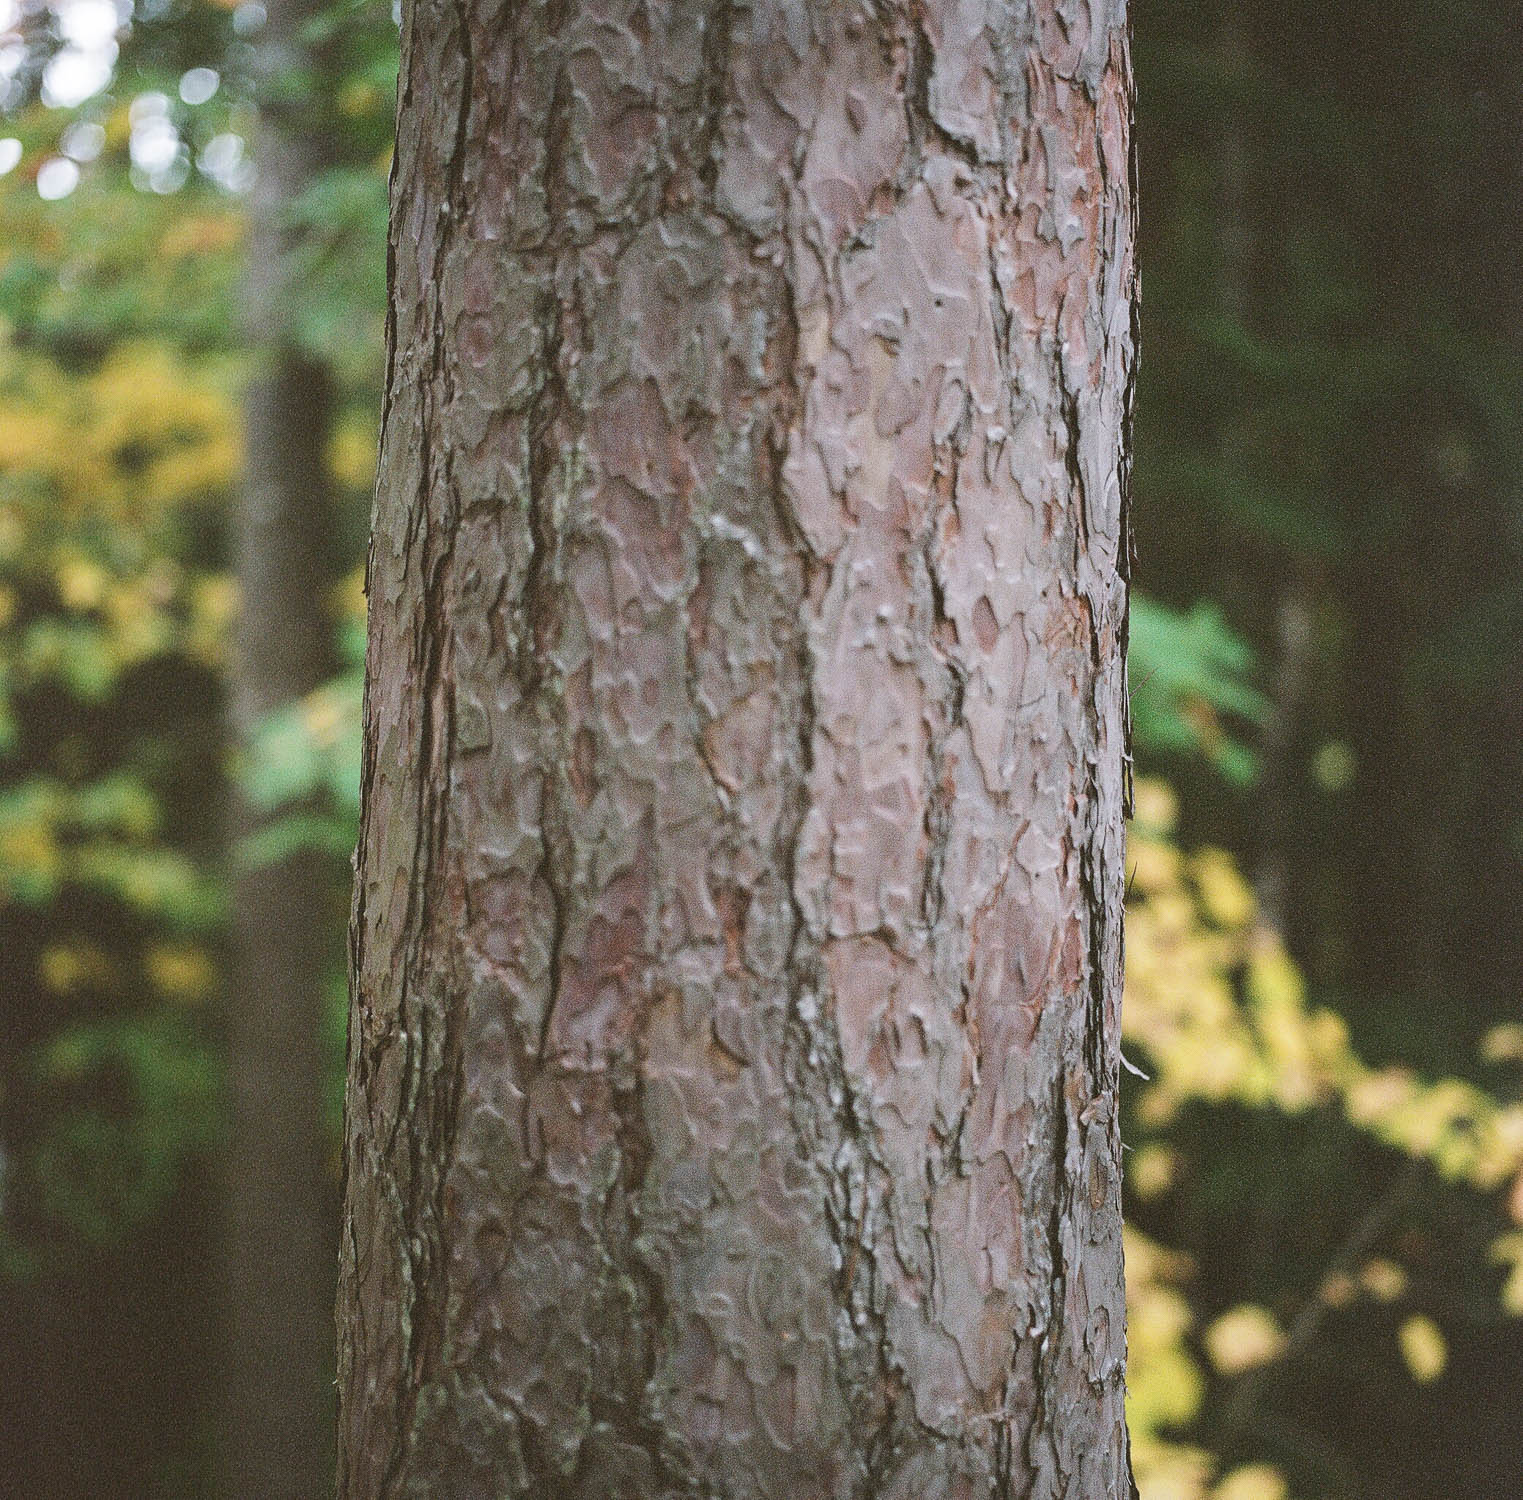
1217	1014
1221	1011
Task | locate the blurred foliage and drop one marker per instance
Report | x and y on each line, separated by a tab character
118	453
306	758
1193	688
1217	1015
1325	1210
120	373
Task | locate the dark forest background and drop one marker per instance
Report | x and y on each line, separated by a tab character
1326	1254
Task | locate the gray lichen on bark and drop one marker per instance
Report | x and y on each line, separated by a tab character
736	942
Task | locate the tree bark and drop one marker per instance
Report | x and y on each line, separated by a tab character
737	934
275	1439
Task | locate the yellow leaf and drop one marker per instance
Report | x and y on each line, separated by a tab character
1155	806
1147	1261
1503	1043
68	967
357	98
1512	1291
349	596
1334	766
1154	867
1507	1250
1177	1479
213	607
1251	1482
1423	1348
1243	1338
1224	894
352	454
199	234
81	583
180	972
1379	1097
60	968
1152	1171
322	717
29	848
1274	980
1383	1280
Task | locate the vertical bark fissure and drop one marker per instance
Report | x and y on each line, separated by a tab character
430	1065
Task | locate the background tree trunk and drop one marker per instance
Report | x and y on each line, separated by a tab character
276	1434
737	934
1239	218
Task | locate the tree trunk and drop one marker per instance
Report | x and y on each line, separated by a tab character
737	934
1238	216
275	1439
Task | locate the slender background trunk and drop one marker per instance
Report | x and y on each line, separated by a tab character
1240	217
737	946
275	1436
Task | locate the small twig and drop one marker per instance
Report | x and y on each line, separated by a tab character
1308	1320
